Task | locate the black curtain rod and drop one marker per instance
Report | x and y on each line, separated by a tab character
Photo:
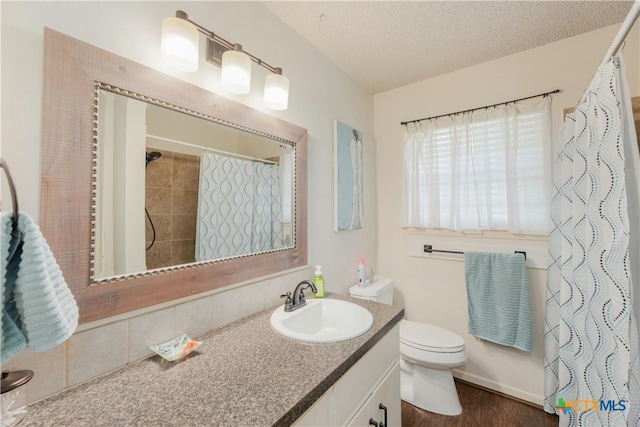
480	108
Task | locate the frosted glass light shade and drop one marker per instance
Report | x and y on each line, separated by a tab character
276	92
180	44
236	71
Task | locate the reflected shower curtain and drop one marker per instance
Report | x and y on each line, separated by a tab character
591	339
239	208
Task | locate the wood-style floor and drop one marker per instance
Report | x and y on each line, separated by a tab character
480	408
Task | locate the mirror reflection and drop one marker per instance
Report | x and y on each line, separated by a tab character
173	188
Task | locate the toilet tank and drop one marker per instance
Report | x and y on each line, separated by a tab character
380	290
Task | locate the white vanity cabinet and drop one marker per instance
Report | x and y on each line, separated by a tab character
356	397
384	404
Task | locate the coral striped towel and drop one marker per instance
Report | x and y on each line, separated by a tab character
36	301
498	298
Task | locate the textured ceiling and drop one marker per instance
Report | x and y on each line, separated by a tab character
387	44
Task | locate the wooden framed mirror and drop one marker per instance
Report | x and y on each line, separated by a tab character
72	73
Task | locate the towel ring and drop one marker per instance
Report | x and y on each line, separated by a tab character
12	189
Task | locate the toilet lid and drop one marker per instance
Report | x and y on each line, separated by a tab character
429	337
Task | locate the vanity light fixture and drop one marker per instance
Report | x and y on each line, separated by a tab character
180	48
236	70
276	91
180	44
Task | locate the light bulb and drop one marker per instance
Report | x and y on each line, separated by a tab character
276	91
236	70
180	44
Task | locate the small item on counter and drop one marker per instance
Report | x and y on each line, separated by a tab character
177	348
13	403
318	281
362	273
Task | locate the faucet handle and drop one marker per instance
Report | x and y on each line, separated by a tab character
288	303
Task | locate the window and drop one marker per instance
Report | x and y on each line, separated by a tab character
488	169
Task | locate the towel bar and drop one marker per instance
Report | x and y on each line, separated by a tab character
12	190
429	249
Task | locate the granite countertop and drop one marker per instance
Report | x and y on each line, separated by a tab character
244	374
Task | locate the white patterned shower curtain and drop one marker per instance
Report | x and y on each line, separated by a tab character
239	208
591	339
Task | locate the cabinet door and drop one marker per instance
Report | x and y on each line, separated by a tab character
359	382
388	394
321	413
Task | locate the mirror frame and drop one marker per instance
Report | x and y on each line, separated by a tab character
71	70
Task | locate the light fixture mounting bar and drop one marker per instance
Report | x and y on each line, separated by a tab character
217	45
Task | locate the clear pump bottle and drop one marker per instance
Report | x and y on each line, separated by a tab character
362	273
318	281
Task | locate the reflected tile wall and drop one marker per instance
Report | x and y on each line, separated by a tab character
171	197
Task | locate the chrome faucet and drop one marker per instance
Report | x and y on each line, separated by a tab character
298	300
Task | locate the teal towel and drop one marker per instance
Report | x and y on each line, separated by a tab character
12	340
35	297
498	298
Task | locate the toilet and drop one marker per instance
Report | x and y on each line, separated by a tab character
428	353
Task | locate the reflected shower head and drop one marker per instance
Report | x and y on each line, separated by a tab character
154	155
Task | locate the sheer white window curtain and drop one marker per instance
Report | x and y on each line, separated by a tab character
488	169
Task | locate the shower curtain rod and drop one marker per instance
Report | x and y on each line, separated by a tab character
480	108
622	34
626	26
214	150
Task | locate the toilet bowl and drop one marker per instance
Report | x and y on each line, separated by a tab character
427	355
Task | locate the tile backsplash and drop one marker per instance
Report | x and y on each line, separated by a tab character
100	347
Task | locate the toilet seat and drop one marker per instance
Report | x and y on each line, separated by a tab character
428	354
425	337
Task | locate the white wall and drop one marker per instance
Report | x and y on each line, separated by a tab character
320	93
433	290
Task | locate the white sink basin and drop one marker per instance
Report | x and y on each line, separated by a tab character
323	320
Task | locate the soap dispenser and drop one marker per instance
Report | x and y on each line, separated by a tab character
318	281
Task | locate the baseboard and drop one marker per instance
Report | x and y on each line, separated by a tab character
501	389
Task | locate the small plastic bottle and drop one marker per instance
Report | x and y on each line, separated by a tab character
318	280
362	273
